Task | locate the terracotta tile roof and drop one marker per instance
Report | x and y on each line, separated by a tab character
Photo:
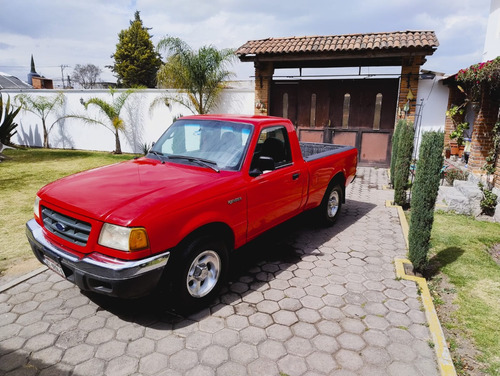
341	43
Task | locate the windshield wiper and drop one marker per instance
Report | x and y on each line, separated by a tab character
159	154
204	162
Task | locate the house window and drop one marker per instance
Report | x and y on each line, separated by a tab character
378	112
312	121
345	111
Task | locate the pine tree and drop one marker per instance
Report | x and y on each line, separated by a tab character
423	200
136	61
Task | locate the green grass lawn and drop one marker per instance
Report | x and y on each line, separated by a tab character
21	176
460	246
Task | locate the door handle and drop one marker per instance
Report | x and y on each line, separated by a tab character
296	176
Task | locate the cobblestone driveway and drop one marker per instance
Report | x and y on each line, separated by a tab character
301	301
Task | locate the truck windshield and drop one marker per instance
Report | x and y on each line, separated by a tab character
222	143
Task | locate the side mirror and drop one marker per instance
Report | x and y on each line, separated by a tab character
263	164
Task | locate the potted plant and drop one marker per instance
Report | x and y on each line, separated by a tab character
455	113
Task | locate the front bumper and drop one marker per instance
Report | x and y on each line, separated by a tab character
119	278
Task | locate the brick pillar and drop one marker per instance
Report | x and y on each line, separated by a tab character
409	81
263	77
482	134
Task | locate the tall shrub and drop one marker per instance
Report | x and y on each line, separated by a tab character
394	151
403	161
424	194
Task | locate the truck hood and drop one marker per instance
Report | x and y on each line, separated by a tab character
121	192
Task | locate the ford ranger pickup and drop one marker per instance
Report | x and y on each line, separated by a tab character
208	186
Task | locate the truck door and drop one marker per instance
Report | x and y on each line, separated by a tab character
274	196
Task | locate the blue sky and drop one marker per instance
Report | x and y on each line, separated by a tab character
62	32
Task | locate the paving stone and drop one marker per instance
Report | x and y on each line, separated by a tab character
400	351
299	346
263	367
350	360
279	332
91	367
140	347
124	365
226	338
184	360
232	369
170	345
253	335
304	330
292	365
270	349
214	356
285	318
351	341
376	355
261	320
243	353
326	343
352	325
99	336
111	350
78	354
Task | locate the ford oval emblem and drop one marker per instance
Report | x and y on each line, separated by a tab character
60	226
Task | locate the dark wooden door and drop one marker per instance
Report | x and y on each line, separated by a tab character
356	112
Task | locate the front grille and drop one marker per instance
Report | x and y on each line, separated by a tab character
70	229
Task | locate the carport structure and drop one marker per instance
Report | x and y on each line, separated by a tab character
355	109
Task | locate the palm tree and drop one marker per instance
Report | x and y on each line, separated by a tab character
199	74
42	106
112	113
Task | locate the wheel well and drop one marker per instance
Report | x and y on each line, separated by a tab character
339	179
217	229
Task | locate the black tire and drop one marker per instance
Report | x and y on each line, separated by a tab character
199	273
329	209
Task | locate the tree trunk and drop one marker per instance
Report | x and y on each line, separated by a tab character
45	135
118	148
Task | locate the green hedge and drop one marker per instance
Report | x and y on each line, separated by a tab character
403	161
424	193
394	151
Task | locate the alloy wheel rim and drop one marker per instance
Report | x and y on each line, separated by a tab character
203	274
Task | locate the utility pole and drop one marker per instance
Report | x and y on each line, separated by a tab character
62	74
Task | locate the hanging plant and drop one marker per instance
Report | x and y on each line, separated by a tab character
480	75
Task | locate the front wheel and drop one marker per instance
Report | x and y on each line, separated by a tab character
201	271
329	210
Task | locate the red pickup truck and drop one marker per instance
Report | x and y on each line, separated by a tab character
208	186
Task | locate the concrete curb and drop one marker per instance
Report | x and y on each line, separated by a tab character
22	278
444	360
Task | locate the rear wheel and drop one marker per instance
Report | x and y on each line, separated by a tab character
329	209
200	272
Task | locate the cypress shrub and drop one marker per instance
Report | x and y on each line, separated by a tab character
424	194
394	151
403	161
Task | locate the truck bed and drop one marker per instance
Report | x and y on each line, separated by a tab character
313	150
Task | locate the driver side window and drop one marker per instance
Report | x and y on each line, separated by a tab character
273	142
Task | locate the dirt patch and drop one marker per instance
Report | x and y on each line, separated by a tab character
19	269
461	347
495	253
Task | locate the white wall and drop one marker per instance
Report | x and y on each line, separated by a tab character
432	102
143	126
492	39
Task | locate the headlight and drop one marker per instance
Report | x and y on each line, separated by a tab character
36	207
123	238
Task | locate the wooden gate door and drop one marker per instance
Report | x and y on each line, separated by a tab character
359	113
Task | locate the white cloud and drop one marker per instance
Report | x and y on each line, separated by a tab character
66	32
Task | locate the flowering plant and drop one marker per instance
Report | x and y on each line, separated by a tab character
480	75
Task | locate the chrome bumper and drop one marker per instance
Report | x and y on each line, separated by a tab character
114	277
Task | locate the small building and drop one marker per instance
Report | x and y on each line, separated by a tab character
357	109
